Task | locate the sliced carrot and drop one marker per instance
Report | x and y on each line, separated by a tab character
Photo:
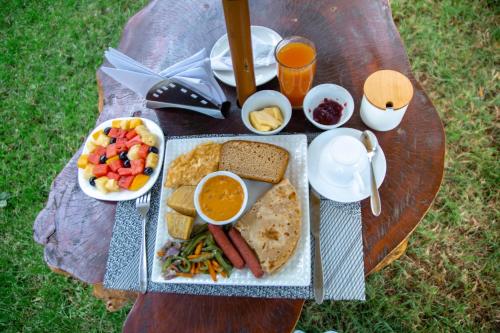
193	256
188	275
160	253
198	248
211	270
193	268
215	264
224	274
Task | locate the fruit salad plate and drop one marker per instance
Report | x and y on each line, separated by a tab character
147	177
297	270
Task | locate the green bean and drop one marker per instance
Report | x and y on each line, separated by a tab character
227	267
187	265
167	264
203	257
198	229
211	248
192	244
203	267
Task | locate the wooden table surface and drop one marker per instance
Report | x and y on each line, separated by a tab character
353	38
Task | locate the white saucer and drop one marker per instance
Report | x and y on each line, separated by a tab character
330	191
262	74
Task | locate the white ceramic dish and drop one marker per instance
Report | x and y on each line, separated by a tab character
123	195
262	74
328	189
297	271
262	99
200	186
334	92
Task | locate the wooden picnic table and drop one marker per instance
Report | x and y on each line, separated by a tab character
354	38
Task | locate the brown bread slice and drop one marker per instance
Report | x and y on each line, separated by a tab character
254	160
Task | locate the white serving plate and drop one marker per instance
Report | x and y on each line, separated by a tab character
297	271
262	74
124	195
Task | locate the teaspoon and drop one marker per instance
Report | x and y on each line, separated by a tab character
370	141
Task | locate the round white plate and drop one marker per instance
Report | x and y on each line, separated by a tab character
326	188
123	195
262	74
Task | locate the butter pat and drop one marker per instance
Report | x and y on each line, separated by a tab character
266	119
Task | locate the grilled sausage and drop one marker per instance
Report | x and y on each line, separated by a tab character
227	247
246	252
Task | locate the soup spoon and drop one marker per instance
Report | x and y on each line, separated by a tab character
370	141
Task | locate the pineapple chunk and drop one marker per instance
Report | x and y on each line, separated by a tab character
149	139
82	161
88	171
135	122
100	184
133	153
102	140
178	225
182	200
112	185
124	124
141	130
91	146
96	134
115	123
152	160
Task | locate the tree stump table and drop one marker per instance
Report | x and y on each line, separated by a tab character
354	38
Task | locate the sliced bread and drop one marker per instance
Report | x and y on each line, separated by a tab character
254	160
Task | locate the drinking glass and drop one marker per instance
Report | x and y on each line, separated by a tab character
296	59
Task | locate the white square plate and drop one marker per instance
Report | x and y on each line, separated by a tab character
297	271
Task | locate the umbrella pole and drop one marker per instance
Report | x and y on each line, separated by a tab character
237	18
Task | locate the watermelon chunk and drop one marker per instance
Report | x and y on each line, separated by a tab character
100	150
134	141
125	181
116	133
143	151
94	158
100	170
115	165
121	140
111	150
112	175
137	166
125	171
130	134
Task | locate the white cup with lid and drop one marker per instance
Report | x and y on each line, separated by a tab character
342	163
386	96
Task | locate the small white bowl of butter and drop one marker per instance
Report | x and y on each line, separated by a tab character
266	112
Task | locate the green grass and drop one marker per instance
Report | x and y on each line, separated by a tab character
447	281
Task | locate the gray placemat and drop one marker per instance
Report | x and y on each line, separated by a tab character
341	249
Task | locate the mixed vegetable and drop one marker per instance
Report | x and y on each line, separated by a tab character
199	255
122	156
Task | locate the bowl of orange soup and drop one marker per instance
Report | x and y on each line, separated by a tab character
220	197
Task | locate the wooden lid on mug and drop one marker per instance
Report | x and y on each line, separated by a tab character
388	89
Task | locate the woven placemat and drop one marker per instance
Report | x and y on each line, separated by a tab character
341	251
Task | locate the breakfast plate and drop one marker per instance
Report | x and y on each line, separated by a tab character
297	270
124	194
330	190
263	74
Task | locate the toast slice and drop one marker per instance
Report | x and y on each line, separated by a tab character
254	160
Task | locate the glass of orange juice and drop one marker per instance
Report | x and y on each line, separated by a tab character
296	59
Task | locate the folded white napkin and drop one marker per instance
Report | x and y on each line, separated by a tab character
193	72
263	54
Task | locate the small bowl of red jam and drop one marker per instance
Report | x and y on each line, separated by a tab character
328	106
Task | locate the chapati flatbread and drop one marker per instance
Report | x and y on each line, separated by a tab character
272	226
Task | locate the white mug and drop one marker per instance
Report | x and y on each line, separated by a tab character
342	161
